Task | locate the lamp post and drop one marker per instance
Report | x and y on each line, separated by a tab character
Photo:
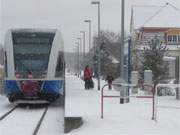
89	21
80	51
122	41
99	64
80	43
84	46
78	62
122	47
84	49
75	60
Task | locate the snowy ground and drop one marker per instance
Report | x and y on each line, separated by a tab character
133	118
53	123
23	120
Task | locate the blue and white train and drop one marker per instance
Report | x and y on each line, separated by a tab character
34	65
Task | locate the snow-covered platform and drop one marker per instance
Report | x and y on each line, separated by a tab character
80	102
127	119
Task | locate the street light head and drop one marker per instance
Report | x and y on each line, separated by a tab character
77	43
82	31
87	21
95	2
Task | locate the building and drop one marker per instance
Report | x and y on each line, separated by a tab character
161	21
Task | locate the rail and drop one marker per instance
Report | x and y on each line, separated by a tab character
7	113
40	121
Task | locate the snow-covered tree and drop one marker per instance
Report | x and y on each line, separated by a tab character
152	59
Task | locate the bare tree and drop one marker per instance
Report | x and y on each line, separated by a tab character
110	51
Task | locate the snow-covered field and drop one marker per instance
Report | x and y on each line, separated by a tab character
133	118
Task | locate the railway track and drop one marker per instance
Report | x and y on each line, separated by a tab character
40	121
8	113
38	125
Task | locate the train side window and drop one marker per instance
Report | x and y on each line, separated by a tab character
59	65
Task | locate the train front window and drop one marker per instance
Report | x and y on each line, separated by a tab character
31	53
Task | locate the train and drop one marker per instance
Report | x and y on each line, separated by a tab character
34	65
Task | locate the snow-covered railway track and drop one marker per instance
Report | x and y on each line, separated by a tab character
40	121
32	119
8	113
22	121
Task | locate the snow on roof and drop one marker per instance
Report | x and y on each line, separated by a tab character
169	58
169	47
156	16
113	59
148	71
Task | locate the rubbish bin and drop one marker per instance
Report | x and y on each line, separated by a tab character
148	80
134	80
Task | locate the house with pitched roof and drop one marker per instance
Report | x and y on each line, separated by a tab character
148	21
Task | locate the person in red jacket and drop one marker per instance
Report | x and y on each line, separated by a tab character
87	77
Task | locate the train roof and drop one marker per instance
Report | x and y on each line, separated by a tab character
34	30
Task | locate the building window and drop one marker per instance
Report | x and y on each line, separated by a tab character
173	39
169	38
178	38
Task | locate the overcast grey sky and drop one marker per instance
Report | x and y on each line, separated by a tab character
68	15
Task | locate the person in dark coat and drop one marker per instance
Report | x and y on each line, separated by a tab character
109	79
87	77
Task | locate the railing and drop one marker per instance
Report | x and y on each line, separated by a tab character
156	101
132	96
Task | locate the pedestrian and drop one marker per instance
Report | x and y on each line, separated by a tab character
109	79
87	77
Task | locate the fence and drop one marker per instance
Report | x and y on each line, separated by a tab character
119	96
